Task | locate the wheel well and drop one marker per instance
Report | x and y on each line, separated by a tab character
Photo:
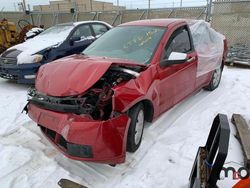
149	110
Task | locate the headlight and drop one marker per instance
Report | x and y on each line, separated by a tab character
37	58
27	59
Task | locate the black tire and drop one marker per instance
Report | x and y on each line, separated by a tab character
215	80
133	141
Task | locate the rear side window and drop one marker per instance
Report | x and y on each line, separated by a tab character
99	29
179	42
82	31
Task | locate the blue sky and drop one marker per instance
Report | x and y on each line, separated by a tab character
9	4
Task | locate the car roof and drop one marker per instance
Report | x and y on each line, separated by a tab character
154	22
84	22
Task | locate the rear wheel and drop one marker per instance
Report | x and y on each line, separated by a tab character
136	127
215	81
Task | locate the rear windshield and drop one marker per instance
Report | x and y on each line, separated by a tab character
136	43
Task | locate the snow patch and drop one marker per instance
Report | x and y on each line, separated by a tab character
164	159
12	158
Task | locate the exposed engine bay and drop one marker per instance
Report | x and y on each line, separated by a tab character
96	102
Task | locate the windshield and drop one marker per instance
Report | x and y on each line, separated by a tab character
61	31
135	43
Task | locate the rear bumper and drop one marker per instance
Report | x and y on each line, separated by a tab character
18	72
81	138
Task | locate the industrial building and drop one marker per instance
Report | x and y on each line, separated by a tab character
79	5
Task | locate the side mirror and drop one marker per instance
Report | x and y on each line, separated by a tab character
74	39
174	58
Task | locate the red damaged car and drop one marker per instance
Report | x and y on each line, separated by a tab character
93	106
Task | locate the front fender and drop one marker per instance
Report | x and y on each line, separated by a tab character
142	88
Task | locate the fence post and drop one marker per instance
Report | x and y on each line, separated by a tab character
209	10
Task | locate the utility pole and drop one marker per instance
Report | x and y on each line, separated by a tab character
118	8
148	16
91	8
181	4
24	5
15	7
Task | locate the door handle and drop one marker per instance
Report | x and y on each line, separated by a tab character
191	59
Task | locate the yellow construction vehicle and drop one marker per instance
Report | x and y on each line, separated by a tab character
9	35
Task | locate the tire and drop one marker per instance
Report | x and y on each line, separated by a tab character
136	127
215	81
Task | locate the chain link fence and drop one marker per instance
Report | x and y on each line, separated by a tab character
232	18
112	17
229	17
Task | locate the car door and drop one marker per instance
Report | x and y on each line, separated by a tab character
99	29
81	37
177	81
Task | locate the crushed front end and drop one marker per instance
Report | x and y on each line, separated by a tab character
85	126
82	138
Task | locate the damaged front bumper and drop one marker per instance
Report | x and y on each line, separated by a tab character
82	138
24	74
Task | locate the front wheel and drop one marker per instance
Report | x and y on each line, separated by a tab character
136	127
215	81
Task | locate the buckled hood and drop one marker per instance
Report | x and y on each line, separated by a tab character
73	75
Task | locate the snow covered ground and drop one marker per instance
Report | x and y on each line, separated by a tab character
164	159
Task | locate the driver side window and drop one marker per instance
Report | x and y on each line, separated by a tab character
178	42
82	31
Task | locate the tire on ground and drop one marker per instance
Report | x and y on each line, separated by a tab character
136	114
215	80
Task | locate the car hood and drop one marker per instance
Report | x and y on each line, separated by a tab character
33	46
74	75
